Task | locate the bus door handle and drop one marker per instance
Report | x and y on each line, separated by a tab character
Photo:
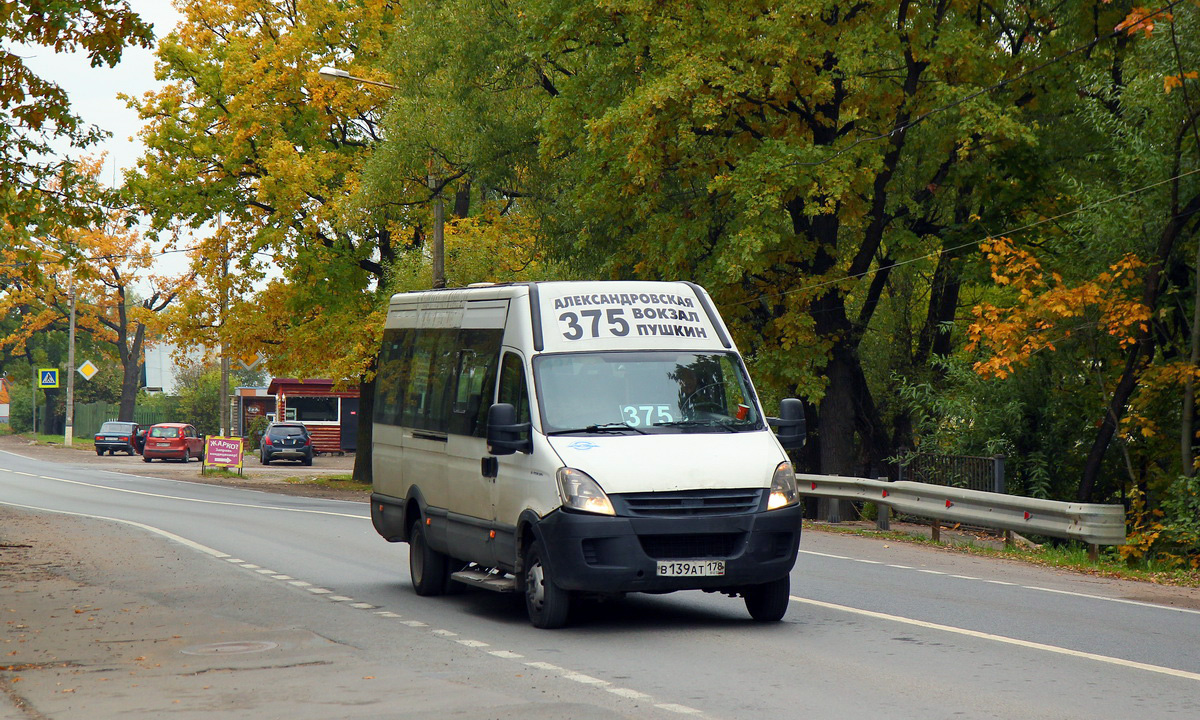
490	467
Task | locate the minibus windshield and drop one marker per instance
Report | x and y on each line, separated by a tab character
640	392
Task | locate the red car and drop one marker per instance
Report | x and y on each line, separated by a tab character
177	441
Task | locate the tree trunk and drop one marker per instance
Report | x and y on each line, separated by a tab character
366	415
131	366
1139	355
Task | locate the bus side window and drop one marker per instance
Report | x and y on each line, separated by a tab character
391	382
475	380
513	388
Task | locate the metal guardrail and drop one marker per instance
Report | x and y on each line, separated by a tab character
1092	523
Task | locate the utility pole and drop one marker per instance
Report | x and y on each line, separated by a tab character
439	238
224	401
69	432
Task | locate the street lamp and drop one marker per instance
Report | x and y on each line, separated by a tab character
439	212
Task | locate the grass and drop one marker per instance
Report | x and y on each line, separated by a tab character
343	481
1069	556
77	443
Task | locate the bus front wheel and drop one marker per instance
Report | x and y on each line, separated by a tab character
546	603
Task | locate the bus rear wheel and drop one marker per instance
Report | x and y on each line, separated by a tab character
426	566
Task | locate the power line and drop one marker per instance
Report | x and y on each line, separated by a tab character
943	251
982	91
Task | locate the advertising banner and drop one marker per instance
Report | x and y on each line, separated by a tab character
224	452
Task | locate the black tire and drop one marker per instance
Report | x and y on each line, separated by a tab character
768	602
130	452
426	566
264	458
547	604
187	456
145	459
99	452
308	460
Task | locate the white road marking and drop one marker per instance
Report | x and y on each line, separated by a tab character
149	528
682	709
506	654
340	598
362	606
1003	639
585	679
193	500
627	693
1071	593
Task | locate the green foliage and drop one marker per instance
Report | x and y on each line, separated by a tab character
40	194
20	415
199	397
258	426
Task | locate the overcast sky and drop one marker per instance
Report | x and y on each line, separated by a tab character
93	91
93	94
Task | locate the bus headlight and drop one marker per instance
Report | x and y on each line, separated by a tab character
783	487
580	492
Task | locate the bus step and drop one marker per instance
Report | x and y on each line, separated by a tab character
486	580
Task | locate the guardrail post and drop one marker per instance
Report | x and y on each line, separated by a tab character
936	530
883	514
1093	552
998	473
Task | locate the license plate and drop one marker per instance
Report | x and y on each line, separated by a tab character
691	568
162	444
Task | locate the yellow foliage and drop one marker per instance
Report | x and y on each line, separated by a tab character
1013	333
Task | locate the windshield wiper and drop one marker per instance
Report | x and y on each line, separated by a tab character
699	423
602	428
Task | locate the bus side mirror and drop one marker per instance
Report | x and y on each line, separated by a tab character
790	424
504	433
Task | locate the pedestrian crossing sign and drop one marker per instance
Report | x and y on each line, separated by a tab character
48	377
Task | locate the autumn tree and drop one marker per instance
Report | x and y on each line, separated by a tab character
791	157
41	192
245	134
118	295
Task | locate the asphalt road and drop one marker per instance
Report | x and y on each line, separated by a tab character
875	628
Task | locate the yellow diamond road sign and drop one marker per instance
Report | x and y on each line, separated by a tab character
87	370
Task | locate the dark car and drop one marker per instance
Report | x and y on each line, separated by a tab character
176	441
117	436
286	441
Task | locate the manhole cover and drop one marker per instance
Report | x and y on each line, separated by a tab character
231	648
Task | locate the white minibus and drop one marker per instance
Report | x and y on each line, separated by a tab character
573	439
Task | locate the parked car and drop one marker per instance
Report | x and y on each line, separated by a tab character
286	441
114	436
177	441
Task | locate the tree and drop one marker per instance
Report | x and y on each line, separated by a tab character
789	156
245	134
41	192
117	296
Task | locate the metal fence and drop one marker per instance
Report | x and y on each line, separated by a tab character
90	416
959	471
